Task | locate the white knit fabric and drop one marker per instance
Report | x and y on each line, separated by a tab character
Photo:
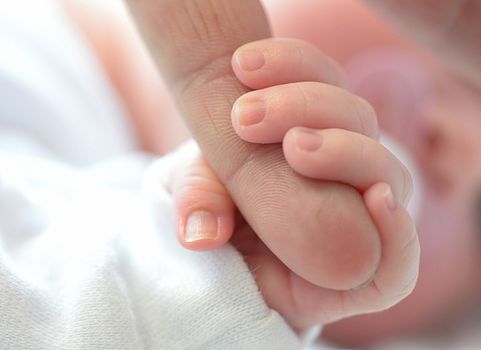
88	265
88	253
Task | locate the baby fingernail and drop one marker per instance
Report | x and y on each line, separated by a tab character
201	225
389	198
250	61
308	140
365	284
249	111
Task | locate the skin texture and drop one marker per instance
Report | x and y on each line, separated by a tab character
438	123
446	148
300	302
433	299
196	186
447	151
192	43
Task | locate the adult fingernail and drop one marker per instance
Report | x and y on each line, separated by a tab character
249	112
389	198
201	225
250	60
308	140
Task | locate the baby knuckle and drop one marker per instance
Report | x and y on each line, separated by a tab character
367	118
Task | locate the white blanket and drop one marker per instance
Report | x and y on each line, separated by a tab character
88	251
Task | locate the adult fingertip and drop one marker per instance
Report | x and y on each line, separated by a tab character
202	229
201	225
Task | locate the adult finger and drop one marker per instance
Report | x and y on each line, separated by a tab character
204	209
192	42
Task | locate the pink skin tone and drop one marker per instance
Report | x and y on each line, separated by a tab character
335	243
338	132
446	149
302	303
434	297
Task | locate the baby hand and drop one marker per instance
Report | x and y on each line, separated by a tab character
327	134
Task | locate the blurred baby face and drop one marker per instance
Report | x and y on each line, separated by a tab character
439	120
